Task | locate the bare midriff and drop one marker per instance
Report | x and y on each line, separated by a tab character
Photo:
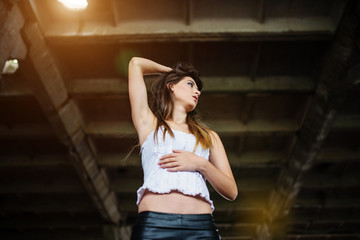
174	202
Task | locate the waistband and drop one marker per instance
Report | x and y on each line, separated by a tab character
171	220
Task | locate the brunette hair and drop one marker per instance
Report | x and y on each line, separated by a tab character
162	106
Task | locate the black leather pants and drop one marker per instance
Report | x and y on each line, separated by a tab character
155	225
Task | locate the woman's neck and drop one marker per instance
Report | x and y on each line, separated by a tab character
179	116
180	126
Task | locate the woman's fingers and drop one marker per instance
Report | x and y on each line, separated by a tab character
170	155
168	165
174	169
173	154
179	160
178	151
167	160
171	166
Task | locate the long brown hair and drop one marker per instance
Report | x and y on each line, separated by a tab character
162	105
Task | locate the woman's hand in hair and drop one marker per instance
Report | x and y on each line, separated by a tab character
146	66
181	160
142	116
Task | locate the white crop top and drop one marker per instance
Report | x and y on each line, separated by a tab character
159	180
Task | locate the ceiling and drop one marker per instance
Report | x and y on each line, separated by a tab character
281	88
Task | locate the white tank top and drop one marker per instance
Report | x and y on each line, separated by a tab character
159	180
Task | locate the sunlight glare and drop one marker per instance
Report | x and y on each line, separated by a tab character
76	5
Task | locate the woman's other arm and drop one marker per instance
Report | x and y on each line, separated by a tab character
218	171
142	117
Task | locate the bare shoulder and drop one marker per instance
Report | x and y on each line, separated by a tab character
215	139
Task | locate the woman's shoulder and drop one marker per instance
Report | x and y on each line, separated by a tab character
214	136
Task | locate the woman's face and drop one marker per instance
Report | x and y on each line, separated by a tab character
186	93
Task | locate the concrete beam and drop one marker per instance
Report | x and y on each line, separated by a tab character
330	93
228	128
258	159
45	77
11	43
213	85
317	28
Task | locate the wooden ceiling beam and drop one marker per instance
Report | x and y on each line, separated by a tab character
241	84
32	131
317	28
328	181
315	202
61	220
66	120
126	129
16	87
227	127
48	206
252	159
331	90
318	215
19	188
224	128
37	160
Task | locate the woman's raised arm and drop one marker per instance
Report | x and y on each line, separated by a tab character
142	117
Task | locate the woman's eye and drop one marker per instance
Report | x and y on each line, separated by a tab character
190	84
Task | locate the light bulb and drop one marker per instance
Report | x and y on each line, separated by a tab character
76	5
10	66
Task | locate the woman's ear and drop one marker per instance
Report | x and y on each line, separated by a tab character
171	87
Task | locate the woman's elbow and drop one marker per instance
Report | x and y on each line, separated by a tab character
134	61
234	194
231	194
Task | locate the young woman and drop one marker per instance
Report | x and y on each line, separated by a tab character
178	155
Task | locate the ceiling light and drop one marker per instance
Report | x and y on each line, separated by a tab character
10	66
76	5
